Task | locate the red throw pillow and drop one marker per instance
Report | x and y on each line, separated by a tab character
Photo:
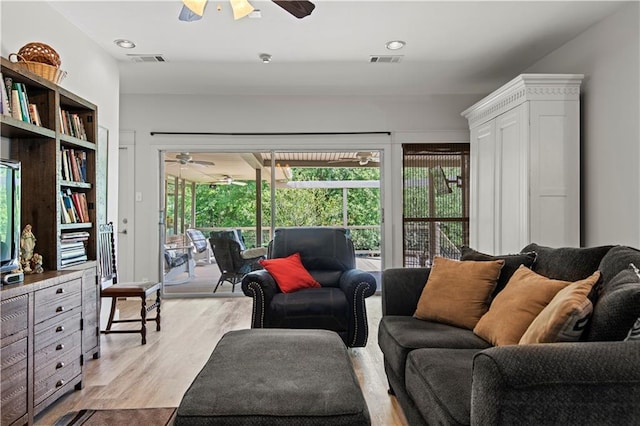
289	273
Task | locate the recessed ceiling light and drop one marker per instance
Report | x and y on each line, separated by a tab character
125	44
395	44
265	58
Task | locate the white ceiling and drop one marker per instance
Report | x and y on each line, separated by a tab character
452	46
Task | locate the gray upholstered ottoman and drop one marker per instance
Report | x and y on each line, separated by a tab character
276	377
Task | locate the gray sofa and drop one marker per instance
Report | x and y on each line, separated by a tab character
446	375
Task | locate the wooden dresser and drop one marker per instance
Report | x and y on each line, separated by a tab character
49	328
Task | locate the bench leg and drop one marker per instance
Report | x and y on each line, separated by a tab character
112	312
158	310
143	314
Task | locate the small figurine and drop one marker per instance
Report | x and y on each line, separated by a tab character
27	245
37	263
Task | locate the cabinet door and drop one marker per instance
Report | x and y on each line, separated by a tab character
482	180
511	185
555	173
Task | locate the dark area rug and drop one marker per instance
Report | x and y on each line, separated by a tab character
129	416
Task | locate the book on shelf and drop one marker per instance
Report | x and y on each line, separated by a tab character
71	245
70	254
15	104
24	101
73	260
74	235
6	102
34	114
65	217
72	124
7	85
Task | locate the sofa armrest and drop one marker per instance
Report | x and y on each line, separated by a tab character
401	289
584	383
261	286
354	281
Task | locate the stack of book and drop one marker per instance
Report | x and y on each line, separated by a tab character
72	124
74	207
73	248
74	165
14	102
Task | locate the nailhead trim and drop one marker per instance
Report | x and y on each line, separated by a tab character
364	285
255	287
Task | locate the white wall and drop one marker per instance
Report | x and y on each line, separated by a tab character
608	54
410	119
92	74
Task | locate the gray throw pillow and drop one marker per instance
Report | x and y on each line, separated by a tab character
567	263
617	308
511	263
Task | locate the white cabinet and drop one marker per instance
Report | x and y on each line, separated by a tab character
525	164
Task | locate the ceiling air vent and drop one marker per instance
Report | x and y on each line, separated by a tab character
388	59
146	58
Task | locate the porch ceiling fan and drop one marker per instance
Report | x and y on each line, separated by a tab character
184	158
229	180
192	10
362	158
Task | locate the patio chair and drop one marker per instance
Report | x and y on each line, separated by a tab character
179	264
202	248
233	262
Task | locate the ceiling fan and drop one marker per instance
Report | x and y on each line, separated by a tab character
228	180
362	158
192	10
184	158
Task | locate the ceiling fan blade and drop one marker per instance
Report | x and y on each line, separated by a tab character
343	160
299	9
203	163
171	161
235	182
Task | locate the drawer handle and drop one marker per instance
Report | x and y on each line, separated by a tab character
60	309
60	383
60	291
59	328
60	365
60	347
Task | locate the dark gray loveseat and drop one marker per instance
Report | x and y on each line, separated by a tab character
447	375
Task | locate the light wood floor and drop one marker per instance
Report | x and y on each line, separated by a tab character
129	375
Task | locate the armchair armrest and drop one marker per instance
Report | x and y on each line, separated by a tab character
563	383
261	286
401	289
357	285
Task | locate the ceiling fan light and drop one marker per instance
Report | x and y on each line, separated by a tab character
241	8
196	6
363	161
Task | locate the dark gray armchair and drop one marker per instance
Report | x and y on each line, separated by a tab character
232	258
329	256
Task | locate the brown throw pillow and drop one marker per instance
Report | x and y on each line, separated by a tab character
514	308
458	293
565	317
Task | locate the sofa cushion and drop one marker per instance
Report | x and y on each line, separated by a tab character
458	293
511	263
399	335
565	318
566	263
439	382
515	307
618	307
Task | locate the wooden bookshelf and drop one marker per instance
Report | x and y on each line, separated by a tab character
40	150
72	290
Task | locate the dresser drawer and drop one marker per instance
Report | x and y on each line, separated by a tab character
14	316
56	300
14	390
57	328
57	348
53	376
13	353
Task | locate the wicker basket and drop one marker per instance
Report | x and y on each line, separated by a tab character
40	52
47	71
